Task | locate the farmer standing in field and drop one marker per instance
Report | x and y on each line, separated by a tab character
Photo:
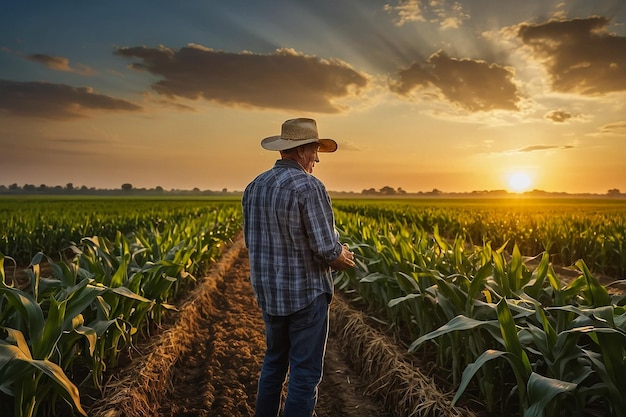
290	233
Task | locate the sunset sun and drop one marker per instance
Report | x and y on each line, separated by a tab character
519	182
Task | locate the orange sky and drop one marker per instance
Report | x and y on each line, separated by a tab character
453	95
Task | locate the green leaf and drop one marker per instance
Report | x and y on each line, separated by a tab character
599	295
57	375
29	310
457	323
471	369
20	354
20	343
478	280
539	275
373	277
509	333
399	300
89	334
125	292
542	390
43	347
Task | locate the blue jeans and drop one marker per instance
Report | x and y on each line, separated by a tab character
296	343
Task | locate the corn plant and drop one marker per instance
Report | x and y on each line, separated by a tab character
28	346
32	225
523	337
95	306
567	229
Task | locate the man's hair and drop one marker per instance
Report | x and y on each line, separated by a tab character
293	151
289	151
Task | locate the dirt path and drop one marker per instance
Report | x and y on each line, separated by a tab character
218	376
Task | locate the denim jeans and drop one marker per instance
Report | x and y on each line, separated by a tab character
295	343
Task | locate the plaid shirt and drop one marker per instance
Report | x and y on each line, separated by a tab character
289	229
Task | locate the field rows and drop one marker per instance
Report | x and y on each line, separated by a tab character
516	338
453	274
66	329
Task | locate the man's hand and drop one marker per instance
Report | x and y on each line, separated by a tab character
345	259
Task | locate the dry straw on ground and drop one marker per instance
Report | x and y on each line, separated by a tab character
404	390
138	391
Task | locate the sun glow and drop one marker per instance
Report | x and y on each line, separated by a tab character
519	182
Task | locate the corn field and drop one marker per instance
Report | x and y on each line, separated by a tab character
513	337
472	282
66	329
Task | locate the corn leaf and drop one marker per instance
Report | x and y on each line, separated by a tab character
458	323
542	390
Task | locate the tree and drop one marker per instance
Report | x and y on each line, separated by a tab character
126	187
387	190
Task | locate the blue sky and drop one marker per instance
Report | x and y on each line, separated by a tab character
453	95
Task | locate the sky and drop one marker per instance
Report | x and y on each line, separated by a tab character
458	96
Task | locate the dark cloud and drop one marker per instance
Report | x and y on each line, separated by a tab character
580	55
55	101
558	116
58	63
543	148
54	62
283	80
471	84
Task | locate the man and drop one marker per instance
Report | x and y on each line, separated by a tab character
289	229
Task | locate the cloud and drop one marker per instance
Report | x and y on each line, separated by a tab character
581	56
543	148
558	116
448	14
617	128
406	11
471	84
285	79
58	63
55	101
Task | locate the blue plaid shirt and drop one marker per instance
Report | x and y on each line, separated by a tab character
289	229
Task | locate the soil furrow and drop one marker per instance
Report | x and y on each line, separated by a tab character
218	377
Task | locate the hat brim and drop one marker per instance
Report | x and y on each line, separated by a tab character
277	143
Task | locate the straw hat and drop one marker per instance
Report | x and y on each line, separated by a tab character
296	132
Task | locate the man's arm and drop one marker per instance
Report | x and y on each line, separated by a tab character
320	224
345	259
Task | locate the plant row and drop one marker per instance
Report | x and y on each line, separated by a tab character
568	230
59	336
514	337
46	224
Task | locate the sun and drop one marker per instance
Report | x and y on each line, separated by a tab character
519	182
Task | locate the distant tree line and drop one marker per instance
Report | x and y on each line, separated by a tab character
386	191
125	189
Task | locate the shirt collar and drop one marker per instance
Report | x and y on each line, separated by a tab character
288	163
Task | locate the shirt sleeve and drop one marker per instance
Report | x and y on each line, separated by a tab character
319	222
